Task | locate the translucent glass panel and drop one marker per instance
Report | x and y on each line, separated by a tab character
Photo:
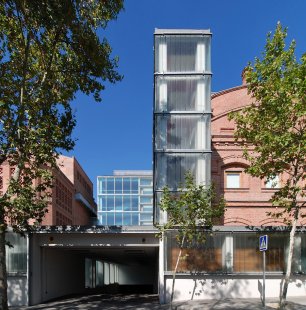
185	132
182	93
205	257
236	252
182	53
248	258
171	168
16	256
99	273
89	279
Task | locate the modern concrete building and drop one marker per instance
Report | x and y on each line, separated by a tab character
125	198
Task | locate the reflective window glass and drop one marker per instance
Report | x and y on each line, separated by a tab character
145	199
135	219
135	185
126	185
118	202
146	217
101	185
127	218
102	203
147	208
146	182
147	191
110	185
126	203
134	203
118	185
110	218
110	203
102	219
118	218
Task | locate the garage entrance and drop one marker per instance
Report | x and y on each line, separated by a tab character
93	261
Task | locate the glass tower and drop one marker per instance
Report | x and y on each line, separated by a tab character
182	111
125	198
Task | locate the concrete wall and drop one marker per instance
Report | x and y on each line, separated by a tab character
218	287
63	273
134	275
17	290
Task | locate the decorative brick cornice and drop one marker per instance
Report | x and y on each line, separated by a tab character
229	90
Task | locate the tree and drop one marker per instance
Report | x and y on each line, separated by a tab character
275	126
191	212
49	50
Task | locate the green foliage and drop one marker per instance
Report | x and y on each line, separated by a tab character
275	123
189	211
274	128
49	50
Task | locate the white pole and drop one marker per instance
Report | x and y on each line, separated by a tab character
264	280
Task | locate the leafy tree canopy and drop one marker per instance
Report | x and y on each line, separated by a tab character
274	125
49	50
190	211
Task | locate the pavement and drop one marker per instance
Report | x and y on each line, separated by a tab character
151	302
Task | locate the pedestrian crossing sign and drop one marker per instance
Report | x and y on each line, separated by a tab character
263	243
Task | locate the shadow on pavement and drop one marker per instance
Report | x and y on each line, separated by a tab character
151	302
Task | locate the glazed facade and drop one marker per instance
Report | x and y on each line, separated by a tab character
125	198
182	112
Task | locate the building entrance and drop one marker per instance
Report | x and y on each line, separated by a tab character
89	262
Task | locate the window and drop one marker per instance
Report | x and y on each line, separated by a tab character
147	182
110	185
232	179
118	185
126	185
16	256
273	182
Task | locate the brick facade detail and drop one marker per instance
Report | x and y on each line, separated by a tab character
70	180
249	203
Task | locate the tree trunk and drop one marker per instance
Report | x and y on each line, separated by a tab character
3	275
286	279
175	270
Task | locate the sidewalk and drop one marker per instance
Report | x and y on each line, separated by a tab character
297	303
150	302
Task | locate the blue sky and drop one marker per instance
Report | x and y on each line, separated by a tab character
117	133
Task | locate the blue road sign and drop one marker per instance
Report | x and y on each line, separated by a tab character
263	243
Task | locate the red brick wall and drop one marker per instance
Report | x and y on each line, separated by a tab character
68	180
248	204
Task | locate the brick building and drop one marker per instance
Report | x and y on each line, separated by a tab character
247	197
72	200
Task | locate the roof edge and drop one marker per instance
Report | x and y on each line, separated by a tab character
228	90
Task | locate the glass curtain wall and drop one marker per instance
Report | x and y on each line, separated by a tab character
182	110
126	201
